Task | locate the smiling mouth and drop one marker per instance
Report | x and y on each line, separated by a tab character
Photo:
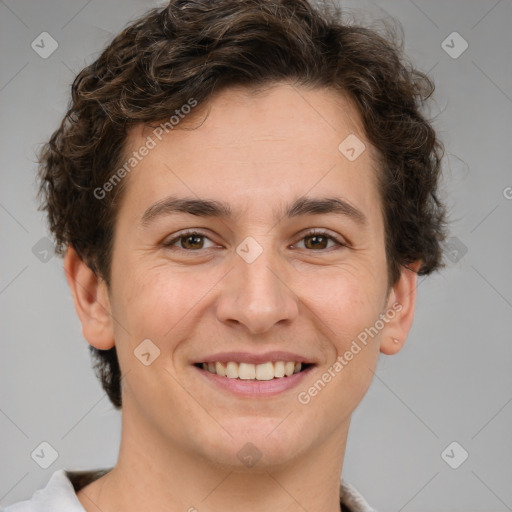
248	371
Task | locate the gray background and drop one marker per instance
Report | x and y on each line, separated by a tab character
451	382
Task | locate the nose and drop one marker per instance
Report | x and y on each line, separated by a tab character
257	295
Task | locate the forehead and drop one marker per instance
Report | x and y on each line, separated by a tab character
255	149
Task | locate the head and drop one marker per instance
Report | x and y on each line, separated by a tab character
249	104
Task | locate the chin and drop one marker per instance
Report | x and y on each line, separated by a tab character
256	445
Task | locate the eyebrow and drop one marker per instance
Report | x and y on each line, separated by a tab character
212	208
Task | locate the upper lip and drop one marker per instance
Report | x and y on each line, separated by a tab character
249	357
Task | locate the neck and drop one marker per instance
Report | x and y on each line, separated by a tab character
147	477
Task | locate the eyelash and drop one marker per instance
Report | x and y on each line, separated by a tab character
186	233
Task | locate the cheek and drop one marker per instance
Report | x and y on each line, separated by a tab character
160	302
345	308
345	299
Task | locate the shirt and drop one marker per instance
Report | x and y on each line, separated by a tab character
59	495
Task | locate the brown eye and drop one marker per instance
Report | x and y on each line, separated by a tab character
191	241
318	241
188	241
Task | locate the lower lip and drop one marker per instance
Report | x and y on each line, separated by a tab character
255	388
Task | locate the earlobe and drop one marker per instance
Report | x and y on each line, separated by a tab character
400	310
90	296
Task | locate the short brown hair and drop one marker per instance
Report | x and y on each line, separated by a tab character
191	49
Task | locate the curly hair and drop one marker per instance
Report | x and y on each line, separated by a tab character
193	48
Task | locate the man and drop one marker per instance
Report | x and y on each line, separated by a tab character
245	193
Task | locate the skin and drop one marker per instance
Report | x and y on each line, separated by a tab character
180	435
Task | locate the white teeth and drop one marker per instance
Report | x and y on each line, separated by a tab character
289	368
246	371
265	371
232	370
279	369
220	369
249	371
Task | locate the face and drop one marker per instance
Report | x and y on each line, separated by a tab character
262	286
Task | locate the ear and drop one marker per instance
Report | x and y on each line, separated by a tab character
400	310
90	295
